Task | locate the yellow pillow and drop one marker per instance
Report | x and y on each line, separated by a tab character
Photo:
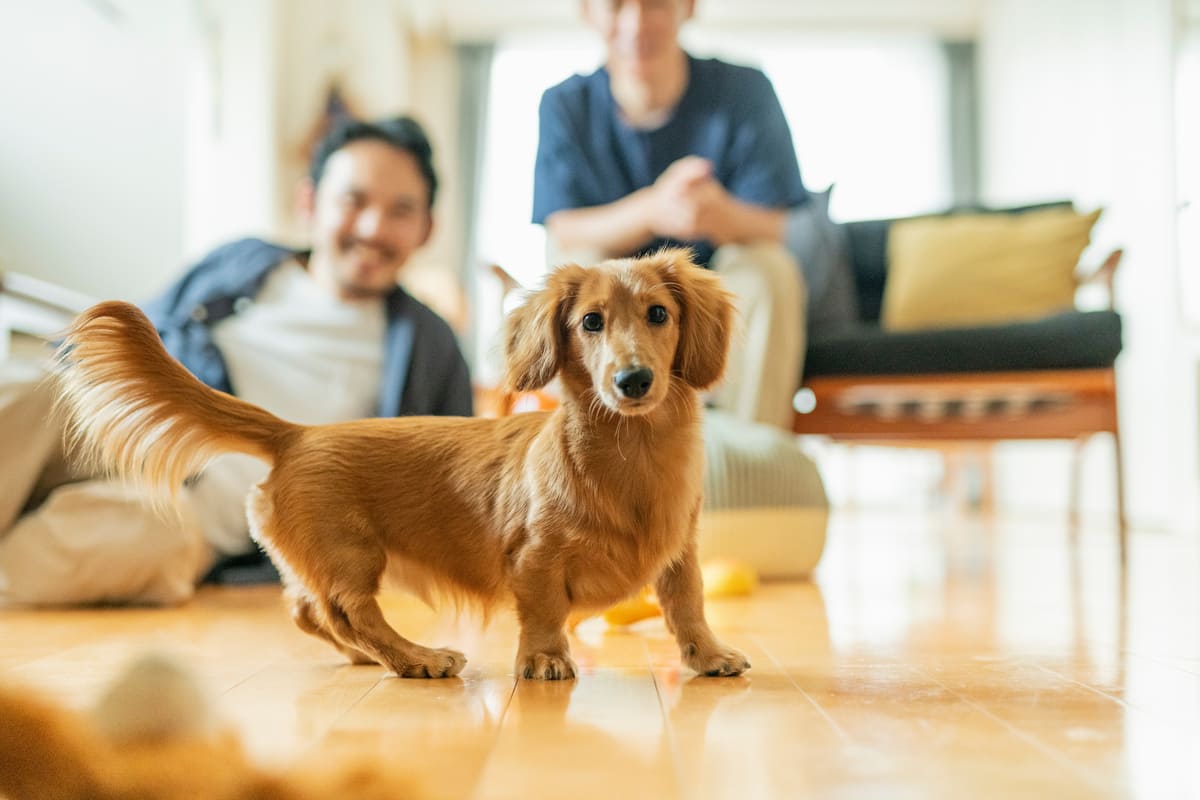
975	269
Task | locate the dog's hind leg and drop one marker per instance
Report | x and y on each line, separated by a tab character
306	615
348	606
357	621
338	596
305	611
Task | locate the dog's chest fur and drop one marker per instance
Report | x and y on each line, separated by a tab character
637	522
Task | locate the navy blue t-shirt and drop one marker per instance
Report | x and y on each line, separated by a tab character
587	156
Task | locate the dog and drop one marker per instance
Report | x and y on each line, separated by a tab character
572	509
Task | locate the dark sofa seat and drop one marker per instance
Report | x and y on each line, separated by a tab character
1070	340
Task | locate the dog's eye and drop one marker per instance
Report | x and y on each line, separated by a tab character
593	322
657	315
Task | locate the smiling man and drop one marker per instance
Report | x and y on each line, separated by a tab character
327	334
315	336
368	199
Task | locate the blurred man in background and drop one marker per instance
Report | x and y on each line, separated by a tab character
659	147
317	336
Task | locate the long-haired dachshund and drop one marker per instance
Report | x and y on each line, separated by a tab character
558	511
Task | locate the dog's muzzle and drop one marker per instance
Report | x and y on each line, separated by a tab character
634	382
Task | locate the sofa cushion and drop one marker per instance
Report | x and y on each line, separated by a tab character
980	269
819	244
867	243
1070	340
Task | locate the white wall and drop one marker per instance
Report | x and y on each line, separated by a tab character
134	141
1077	102
1186	352
436	272
92	143
1187	101
231	131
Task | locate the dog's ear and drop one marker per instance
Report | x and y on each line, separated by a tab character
706	318
535	338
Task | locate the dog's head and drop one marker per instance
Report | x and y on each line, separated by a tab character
625	328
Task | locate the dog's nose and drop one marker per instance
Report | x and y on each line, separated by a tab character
634	382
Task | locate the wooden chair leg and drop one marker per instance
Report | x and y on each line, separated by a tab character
1076	488
1122	523
949	487
985	502
852	477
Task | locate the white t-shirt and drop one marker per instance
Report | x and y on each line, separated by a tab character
305	356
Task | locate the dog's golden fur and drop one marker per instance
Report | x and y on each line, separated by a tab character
571	509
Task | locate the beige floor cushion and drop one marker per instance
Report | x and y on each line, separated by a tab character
764	502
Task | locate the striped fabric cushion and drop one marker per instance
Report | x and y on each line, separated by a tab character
764	502
756	466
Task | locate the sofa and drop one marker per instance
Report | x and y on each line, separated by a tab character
1037	376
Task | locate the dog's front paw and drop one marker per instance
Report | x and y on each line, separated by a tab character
715	661
431	663
546	666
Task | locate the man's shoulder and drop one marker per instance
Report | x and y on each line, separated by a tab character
717	66
726	77
234	266
246	250
430	323
575	92
231	270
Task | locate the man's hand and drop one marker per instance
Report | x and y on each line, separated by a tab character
684	173
687	202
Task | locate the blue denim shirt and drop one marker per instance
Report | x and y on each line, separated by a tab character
424	370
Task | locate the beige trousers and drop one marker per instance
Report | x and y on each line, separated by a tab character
66	538
766	358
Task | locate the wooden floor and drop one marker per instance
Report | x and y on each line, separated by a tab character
932	657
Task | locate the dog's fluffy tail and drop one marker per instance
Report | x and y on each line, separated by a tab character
135	411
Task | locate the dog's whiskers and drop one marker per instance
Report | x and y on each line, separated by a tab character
596	405
679	398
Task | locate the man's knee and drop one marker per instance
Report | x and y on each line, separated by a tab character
557	255
764	370
766	267
96	542
32	435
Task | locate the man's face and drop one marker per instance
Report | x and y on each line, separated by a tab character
639	35
369	213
